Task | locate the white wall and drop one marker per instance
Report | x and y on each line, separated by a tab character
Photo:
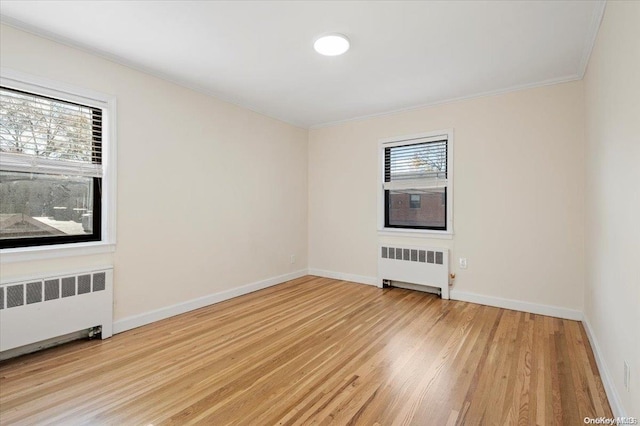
518	193
210	196
612	294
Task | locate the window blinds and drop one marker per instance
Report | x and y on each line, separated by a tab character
39	134
420	165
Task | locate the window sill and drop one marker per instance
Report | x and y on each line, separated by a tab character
415	233
26	254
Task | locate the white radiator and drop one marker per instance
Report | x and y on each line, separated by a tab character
414	265
41	308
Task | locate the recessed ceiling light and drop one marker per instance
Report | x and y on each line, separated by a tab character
332	45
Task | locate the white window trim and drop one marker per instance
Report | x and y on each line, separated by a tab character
39	85
416	233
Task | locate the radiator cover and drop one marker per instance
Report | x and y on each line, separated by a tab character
45	307
415	265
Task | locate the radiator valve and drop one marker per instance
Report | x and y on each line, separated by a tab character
95	332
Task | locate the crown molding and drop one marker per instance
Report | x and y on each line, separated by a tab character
594	27
517	88
31	29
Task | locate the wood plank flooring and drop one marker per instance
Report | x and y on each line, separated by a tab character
317	351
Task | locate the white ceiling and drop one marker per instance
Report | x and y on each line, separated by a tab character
260	55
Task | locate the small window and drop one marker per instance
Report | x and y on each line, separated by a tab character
416	183
414	201
50	170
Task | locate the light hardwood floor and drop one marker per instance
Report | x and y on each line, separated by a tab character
316	350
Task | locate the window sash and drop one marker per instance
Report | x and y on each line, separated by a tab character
398	185
12	162
389	225
416	164
96	235
25	147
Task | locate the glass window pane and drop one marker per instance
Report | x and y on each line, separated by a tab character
417	208
416	161
38	126
42	205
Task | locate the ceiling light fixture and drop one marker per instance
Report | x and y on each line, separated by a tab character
332	44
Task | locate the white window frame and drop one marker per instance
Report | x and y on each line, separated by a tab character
63	91
407	140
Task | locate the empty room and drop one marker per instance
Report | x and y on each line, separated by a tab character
319	212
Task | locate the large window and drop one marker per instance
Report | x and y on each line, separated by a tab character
416	183
51	167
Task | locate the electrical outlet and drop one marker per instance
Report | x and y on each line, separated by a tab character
627	376
463	263
293	259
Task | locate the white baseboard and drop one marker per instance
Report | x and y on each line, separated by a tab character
190	305
517	305
607	381
360	279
